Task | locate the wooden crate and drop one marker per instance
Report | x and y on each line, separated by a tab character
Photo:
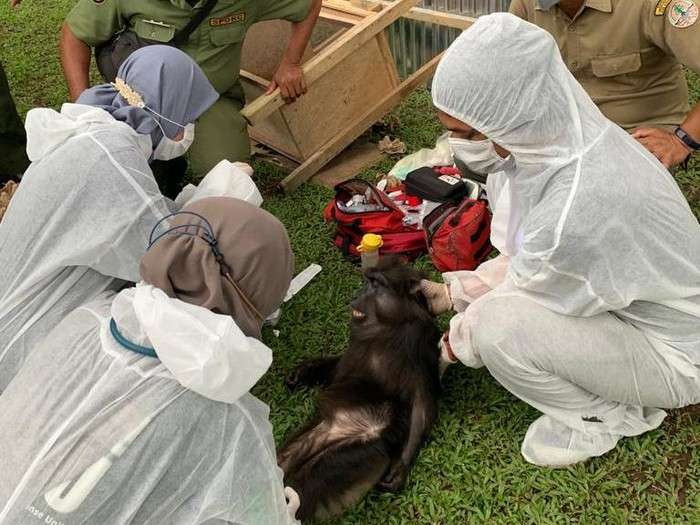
351	78
300	129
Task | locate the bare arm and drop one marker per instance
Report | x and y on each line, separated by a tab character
666	146
681	43
75	60
289	76
691	125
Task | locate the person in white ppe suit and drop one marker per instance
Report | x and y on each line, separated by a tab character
592	314
135	408
79	220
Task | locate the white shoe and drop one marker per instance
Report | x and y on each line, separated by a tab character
549	443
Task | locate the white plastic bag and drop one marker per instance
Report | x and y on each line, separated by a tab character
440	155
226	179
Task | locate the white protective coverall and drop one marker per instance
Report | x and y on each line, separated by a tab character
93	433
594	319
77	226
80	220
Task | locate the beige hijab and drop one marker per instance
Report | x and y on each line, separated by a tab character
188	252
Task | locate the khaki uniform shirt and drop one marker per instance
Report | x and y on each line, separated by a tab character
627	54
215	45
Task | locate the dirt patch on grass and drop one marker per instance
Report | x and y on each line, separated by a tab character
676	469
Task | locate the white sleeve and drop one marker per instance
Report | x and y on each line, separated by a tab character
91	205
466	287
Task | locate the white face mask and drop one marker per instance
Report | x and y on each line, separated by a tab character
168	149
480	156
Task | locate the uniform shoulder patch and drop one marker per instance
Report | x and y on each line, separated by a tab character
683	13
661	7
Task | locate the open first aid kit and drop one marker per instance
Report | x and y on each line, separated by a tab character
434	210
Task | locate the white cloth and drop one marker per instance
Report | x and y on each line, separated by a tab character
77	225
226	179
93	433
226	363
596	223
48	129
498	193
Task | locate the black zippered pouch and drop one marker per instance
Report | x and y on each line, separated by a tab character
429	184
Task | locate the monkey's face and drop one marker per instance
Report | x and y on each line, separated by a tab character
391	294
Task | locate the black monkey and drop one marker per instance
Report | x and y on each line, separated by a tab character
379	401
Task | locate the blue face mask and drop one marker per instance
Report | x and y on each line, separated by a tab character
547	4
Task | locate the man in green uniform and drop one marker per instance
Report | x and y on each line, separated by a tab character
221	133
628	56
13	140
13	158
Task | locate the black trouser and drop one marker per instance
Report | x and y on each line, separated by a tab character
13	141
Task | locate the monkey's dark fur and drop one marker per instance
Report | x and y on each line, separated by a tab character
379	401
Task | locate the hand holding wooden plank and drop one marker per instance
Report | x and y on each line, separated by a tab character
344	46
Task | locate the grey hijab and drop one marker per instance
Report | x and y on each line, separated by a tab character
169	82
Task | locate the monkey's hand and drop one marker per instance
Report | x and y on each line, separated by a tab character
295	378
395	479
311	373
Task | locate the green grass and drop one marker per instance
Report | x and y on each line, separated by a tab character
471	470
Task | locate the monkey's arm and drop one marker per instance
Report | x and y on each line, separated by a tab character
422	418
312	372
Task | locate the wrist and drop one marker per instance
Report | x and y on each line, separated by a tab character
447	348
291	61
688	141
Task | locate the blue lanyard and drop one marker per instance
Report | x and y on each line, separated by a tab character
143	350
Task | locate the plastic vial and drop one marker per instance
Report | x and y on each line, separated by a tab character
369	250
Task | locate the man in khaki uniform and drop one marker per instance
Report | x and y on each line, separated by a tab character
628	56
221	133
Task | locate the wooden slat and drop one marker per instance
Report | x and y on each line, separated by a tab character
254	78
389	61
429	16
319	65
336	144
339	16
348	7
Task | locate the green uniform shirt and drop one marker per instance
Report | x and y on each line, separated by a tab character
627	54
215	45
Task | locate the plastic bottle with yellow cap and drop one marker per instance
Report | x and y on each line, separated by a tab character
369	250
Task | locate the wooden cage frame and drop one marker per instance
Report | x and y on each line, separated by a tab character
351	77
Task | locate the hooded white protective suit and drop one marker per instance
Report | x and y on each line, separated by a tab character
77	226
596	314
95	433
80	220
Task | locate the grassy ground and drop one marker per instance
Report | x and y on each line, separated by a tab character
471	470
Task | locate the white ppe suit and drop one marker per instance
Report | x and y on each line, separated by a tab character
91	432
593	314
78	224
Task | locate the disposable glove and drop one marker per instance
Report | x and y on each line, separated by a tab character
437	295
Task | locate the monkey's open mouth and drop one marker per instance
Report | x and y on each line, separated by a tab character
356	314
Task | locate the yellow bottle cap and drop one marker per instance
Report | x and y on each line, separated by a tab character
370	242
